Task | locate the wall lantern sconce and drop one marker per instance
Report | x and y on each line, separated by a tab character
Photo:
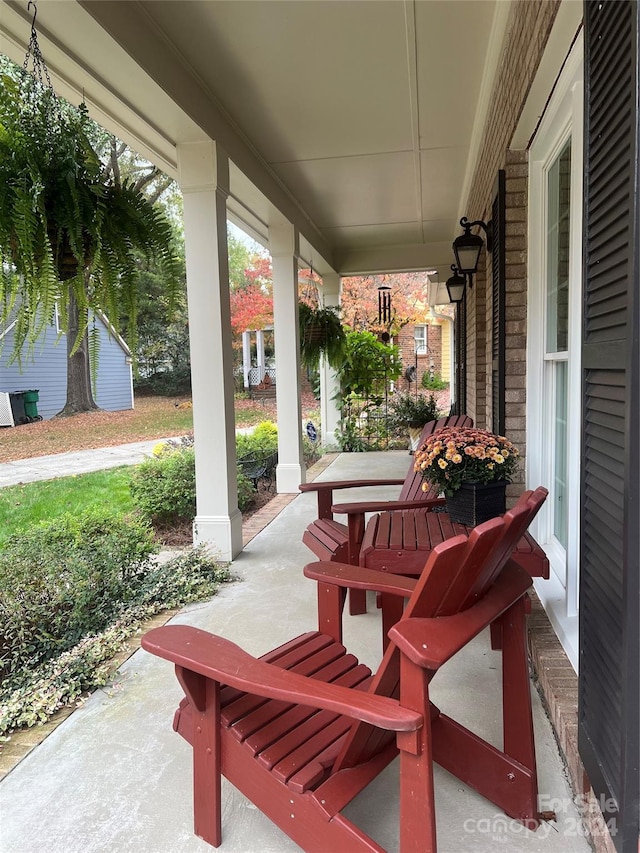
384	305
456	285
467	246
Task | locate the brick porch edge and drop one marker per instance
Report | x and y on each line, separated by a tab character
557	684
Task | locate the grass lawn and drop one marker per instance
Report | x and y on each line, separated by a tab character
30	503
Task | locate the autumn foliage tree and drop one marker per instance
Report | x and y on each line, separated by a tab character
359	301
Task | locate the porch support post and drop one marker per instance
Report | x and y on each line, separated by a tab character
246	356
329	414
203	170
260	352
283	244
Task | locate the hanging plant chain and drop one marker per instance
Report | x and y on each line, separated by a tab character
40	70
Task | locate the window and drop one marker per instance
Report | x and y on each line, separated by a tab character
554	344
421	337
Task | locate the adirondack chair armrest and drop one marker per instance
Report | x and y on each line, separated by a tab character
382	506
220	660
430	643
323	485
325	490
356	577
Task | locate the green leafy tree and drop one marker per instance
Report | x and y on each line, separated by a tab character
369	365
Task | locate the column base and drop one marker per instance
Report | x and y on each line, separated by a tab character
288	478
222	534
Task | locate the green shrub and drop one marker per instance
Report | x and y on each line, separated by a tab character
36	690
311	450
64	579
246	492
262	441
164	487
409	410
169	383
433	381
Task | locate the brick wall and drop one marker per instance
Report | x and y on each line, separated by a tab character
558	686
516	168
528	29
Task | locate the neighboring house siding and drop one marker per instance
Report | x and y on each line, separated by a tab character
113	386
46	372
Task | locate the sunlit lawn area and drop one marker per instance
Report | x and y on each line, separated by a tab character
30	503
153	417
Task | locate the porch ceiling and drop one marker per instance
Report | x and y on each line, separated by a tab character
357	120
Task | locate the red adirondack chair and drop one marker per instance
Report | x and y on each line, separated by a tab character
330	539
302	730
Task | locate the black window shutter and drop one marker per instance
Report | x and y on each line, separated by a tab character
461	357
498	279
609	697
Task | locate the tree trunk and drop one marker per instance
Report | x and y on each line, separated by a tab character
79	393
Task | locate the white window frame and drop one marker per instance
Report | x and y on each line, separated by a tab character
423	349
563	119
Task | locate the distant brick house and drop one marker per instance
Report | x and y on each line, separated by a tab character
427	346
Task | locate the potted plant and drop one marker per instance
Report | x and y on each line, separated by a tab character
412	412
472	467
321	334
72	233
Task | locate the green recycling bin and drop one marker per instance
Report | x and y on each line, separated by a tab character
31	405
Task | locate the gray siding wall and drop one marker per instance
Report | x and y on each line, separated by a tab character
114	390
46	372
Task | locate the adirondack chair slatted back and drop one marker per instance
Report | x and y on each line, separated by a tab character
457	573
412	488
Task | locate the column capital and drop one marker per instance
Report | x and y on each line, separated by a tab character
284	241
330	290
203	167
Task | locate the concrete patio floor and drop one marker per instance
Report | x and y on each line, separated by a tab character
114	777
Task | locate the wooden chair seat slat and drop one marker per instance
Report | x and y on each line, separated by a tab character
293	715
260	715
324	730
395	533
285	656
278	751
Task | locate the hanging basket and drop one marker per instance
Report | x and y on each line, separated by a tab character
474	503
313	335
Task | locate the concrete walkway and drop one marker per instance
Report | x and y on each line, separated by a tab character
114	778
74	462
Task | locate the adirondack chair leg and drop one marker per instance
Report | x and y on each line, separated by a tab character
357	597
357	602
204	697
417	799
331	600
496	635
392	607
516	698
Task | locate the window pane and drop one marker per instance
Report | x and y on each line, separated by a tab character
558	195
560	453
420	335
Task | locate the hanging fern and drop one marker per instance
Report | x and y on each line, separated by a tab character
65	225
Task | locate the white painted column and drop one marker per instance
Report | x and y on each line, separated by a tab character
203	174
283	244
246	356
260	353
329	385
